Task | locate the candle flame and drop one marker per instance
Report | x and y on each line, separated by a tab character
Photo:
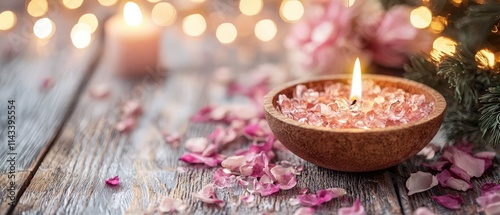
356	82
132	14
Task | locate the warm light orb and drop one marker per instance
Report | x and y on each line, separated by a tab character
265	30
90	20
485	58
37	8
443	46
132	14
226	33
198	1
251	7
356	88
44	28
107	2
154	1
438	23
194	25
421	17
164	14
81	35
8	20
291	10
349	3
72	4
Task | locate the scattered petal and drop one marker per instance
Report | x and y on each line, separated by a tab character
132	108
473	166
265	186
320	197
172	139
420	181
249	198
203	115
126	125
196	144
47	83
449	201
356	209
284	176
223	178
193	158
181	170
423	211
446	179
170	205
304	211
99	91
114	181
438	165
293	201
428	152
490	187
234	163
207	195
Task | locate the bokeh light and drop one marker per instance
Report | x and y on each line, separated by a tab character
438	23
8	20
265	30
107	2
154	1
37	8
194	25
81	35
349	3
90	20
421	17
132	14
443	46
485	58
291	10
44	28
226	33
164	14
198	1
251	7
72	4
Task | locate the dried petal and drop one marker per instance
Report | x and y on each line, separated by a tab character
446	179
449	201
234	163
172	139
99	91
284	176
320	197
114	181
473	166
47	83
420	181
126	125
223	178
207	195
196	144
490	187
170	205
304	211
423	211
193	158
265	186
356	209
248	198
132	108
203	115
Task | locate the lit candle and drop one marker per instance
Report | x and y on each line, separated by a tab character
132	42
356	88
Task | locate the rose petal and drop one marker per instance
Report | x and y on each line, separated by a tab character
284	176
438	165
132	108
265	186
446	179
193	158
485	155
460	173
47	83
169	205
234	163
449	201
172	139
207	195
356	209
126	125
223	178
473	166
99	91
114	181
423	211
420	181
490	187
196	144
304	211
320	197
203	115
248	198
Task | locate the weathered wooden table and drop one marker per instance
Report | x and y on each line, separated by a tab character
67	145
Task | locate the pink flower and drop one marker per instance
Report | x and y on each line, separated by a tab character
207	195
114	181
420	181
356	209
449	201
395	38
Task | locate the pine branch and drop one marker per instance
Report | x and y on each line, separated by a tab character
477	24
489	122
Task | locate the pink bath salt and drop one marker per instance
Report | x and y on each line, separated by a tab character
114	181
330	106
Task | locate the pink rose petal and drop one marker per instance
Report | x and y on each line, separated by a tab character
265	186
485	155
126	125
356	209
223	178
460	173
114	181
490	187
420	181
193	158
284	176
423	211
449	201
320	197
99	91
248	198
304	211
234	163
47	83
132	108
203	115
172	139
170	205
207	195
473	166
196	144
446	179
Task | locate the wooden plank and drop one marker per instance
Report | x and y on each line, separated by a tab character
40	113
423	199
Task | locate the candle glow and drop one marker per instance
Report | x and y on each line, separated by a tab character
72	4
81	35
132	14
443	46
90	20
8	20
356	87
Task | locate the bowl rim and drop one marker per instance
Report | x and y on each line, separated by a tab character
437	110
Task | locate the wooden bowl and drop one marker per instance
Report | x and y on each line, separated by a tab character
355	150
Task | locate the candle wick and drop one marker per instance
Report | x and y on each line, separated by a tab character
353	102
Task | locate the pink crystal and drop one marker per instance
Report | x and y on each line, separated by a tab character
330	106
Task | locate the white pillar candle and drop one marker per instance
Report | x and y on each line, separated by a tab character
131	42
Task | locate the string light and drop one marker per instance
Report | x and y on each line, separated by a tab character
421	17
443	46
44	28
72	4
164	14
194	25
291	10
81	35
90	20
8	20
485	58
107	2
251	7
37	8
226	33
265	30
438	23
